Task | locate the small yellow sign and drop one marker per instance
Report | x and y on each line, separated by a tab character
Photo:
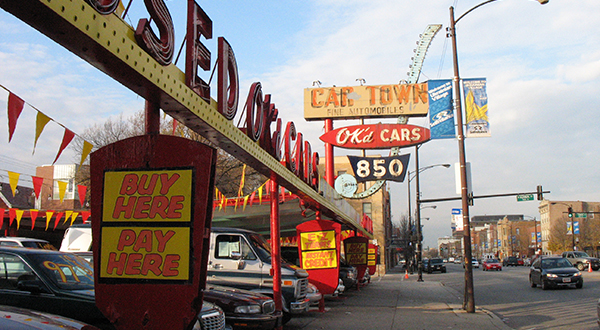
147	196
319	259
318	240
145	253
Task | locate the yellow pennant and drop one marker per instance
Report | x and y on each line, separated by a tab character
13	178
19	216
62	188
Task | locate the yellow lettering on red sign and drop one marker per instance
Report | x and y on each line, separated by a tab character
145	253
318	240
147	196
319	259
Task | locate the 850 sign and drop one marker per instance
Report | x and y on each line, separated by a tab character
392	168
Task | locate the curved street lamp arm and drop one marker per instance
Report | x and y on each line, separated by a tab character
470	10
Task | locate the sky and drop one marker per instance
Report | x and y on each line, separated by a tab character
541	62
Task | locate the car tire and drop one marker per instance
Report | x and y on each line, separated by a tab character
533	285
579	285
544	285
580	266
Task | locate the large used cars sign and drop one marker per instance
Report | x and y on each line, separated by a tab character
377	136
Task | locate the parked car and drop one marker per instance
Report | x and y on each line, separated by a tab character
34	243
63	284
510	261
244	309
491	264
581	260
457	260
451	259
435	265
425	263
553	272
14	318
348	274
474	263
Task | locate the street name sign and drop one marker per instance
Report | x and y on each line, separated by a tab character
524	197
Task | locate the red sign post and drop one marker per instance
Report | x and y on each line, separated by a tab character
152	202
319	248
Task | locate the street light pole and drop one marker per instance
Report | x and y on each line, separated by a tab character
469	299
419	236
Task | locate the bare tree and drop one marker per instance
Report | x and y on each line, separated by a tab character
228	170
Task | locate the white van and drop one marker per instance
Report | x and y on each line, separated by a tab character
77	238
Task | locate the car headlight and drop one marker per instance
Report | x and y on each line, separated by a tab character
577	274
551	275
247	309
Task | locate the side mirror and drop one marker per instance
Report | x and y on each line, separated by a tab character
33	286
236	255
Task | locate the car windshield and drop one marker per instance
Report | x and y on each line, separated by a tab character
555	263
437	261
262	247
580	254
491	260
38	245
67	271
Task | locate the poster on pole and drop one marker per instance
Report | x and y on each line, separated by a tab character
457	219
441	113
476	107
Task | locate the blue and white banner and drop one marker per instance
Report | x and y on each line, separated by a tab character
539	236
457	219
476	107
441	114
576	227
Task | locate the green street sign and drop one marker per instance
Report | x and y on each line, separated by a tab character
580	215
524	197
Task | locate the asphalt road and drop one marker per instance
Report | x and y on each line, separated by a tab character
507	293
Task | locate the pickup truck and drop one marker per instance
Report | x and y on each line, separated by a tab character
581	260
242	259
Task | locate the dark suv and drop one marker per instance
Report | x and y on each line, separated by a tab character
436	264
510	261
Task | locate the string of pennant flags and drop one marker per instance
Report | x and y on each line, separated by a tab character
16	106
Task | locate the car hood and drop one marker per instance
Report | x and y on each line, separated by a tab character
81	294
24	319
557	271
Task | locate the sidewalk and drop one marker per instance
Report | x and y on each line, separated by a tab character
393	302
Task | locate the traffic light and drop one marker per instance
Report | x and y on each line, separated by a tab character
570	212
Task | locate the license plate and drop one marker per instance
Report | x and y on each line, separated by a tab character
566	280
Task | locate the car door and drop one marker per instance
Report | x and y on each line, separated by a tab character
234	263
13	269
536	271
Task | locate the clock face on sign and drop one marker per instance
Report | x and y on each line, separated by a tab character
346	185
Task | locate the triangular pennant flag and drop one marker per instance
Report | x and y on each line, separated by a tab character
67	215
65	142
12	213
174	126
81	190
57	220
40	122
49	214
252	196
62	188
15	106
85	215
2	217
19	216
13	178
37	185
245	202
260	194
33	213
87	148
236	203
73	217
241	189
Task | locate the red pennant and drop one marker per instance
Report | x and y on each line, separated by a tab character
174	126
12	213
65	142
33	214
37	185
15	106
85	215
252	196
2	217
58	216
81	190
